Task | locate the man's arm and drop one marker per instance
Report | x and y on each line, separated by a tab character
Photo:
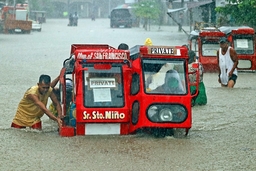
37	102
218	66
233	56
57	104
55	81
218	62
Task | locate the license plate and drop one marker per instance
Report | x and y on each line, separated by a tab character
17	30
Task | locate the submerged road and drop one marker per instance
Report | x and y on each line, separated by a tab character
222	136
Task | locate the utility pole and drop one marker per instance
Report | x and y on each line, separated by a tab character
68	7
109	7
182	3
190	18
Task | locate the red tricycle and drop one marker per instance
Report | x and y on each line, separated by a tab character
124	92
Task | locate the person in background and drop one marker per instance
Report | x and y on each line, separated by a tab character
201	98
33	105
70	20
123	46
172	84
75	19
93	16
227	61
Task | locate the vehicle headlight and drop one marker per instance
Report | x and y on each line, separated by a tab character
165	115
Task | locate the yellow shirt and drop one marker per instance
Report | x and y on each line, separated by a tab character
53	109
28	113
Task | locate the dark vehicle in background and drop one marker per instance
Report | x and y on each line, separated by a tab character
120	17
39	16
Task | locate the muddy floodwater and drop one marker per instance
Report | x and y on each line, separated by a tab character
222	137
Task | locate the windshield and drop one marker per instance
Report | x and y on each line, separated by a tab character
164	76
209	48
244	44
103	88
120	13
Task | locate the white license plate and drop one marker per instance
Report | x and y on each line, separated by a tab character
17	30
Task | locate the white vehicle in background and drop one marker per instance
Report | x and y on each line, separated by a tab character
36	25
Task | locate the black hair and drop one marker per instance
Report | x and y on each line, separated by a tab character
123	46
45	78
191	55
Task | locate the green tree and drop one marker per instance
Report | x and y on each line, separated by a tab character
10	2
147	9
241	12
42	5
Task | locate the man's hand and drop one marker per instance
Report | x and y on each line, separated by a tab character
61	115
230	74
59	121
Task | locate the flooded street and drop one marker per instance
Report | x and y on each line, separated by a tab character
222	136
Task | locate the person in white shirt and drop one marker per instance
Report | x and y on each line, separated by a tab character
227	62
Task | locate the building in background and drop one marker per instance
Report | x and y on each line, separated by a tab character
102	8
85	8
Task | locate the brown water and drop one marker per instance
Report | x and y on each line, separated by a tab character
222	136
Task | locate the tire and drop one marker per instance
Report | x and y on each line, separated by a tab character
170	132
180	132
159	132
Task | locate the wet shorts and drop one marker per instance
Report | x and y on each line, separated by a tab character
35	126
233	77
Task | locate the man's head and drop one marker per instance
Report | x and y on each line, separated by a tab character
44	83
192	56
172	81
223	42
123	46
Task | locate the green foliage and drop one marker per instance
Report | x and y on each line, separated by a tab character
20	1
35	4
243	12
147	9
10	2
42	5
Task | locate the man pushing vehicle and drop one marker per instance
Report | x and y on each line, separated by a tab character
33	105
